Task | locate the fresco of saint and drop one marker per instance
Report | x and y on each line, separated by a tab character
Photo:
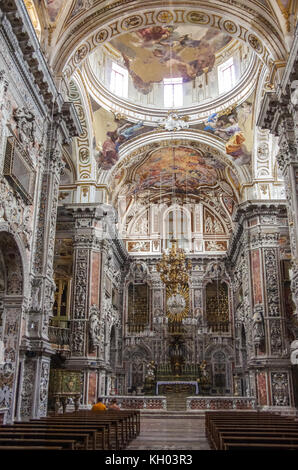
109	155
234	128
54	7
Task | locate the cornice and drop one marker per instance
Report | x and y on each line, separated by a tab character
15	13
242	20
275	104
23	45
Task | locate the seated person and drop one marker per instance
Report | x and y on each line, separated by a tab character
99	406
113	405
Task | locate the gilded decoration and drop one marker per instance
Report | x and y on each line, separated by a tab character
217	303
174	272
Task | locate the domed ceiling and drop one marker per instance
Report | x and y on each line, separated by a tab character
154	42
154	53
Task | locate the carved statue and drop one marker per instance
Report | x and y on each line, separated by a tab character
258	327
151	368
94	327
25	124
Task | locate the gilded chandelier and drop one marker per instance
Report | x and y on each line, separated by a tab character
174	273
174	268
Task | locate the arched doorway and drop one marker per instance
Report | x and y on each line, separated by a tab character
11	303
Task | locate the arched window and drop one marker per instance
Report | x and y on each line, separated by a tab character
177	227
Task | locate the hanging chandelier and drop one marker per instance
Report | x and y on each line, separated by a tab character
174	272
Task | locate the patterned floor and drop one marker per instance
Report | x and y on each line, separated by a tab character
171	433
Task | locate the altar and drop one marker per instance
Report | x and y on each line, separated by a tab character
171	386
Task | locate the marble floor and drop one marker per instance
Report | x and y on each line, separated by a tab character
171	433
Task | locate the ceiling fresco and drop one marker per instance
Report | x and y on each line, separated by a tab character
234	126
180	170
112	130
54	7
157	52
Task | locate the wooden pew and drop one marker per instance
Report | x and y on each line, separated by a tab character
102	431
65	444
128	421
31	433
18	447
258	446
225	428
259	435
124	426
90	432
110	429
261	440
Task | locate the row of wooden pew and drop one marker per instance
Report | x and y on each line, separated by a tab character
252	430
80	430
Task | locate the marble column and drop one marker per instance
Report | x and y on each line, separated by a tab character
86	323
262	311
36	350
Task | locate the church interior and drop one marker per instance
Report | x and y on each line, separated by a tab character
149	210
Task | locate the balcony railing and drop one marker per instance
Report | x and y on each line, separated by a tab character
218	327
59	336
135	328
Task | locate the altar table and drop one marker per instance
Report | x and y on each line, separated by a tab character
178	382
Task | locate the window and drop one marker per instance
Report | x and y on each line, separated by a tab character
226	75
119	80
173	92
176	227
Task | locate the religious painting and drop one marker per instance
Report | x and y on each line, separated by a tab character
92	388
18	169
77	8
262	389
234	126
54	7
165	51
178	169
111	131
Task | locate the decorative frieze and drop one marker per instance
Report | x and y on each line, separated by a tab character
280	388
276	337
28	385
272	282
43	388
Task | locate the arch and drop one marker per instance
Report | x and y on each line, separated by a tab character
16	242
260	31
132	152
14	281
165	234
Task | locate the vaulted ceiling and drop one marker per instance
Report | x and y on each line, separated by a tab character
126	146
